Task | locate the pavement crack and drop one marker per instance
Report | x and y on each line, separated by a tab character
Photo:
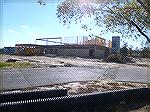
25	78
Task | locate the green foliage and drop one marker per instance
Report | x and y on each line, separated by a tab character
14	64
124	51
145	53
130	18
1	51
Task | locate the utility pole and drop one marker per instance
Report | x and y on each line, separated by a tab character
61	41
47	41
148	71
77	40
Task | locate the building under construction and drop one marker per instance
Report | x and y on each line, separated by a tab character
94	48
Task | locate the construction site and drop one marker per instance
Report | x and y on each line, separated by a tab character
95	47
34	70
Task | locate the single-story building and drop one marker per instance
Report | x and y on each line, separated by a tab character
87	51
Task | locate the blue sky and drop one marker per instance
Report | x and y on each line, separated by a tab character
23	22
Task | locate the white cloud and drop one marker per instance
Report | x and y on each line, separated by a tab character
13	31
25	26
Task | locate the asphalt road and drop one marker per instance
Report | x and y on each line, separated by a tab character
21	78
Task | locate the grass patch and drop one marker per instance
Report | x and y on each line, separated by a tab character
14	64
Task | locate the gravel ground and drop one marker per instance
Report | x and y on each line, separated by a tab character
43	61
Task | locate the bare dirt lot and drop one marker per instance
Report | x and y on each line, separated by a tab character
43	61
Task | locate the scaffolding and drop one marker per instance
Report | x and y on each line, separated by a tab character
50	40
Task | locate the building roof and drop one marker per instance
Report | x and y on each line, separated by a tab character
61	46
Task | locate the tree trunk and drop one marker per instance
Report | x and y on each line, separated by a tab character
142	33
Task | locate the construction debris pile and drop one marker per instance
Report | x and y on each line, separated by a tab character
84	87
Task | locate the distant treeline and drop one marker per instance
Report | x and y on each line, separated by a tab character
143	53
1	51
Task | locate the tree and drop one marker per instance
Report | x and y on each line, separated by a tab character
130	51
145	53
1	50
124	51
130	17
